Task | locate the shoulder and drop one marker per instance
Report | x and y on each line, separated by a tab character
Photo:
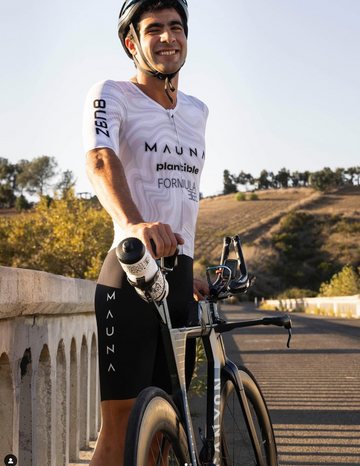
109	86
109	94
194	102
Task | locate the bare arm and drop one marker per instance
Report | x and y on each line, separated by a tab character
107	176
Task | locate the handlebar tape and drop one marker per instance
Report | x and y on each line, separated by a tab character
283	321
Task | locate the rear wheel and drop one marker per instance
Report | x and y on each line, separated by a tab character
236	444
155	435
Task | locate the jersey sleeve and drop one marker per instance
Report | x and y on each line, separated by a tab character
104	114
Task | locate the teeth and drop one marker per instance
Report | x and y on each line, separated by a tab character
172	52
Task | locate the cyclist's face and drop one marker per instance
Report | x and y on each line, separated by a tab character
163	40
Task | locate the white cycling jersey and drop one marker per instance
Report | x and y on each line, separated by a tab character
162	151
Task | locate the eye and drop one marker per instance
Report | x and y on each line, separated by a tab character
177	27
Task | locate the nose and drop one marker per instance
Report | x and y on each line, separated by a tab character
167	36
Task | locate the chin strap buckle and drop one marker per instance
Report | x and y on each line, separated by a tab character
169	84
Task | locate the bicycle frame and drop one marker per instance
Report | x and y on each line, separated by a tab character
218	365
206	324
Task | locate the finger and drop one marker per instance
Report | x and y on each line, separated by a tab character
171	241
152	242
179	238
197	295
159	245
202	287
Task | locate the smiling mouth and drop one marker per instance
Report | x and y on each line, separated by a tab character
167	52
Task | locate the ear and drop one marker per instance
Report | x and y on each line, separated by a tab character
130	46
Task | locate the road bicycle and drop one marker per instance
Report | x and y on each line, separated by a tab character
238	428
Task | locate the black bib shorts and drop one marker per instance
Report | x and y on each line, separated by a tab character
131	352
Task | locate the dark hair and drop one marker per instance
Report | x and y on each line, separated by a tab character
151	7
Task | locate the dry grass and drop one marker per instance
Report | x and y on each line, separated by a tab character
344	201
224	216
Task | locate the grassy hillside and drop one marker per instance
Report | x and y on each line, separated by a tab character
291	237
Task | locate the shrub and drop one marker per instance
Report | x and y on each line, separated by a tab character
344	283
296	221
67	236
254	197
240	196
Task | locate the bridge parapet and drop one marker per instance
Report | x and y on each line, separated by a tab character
49	390
342	306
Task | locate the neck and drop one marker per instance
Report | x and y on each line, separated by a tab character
155	89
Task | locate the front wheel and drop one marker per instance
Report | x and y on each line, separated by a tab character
155	435
236	445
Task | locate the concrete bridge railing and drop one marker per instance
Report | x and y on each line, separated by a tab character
342	306
49	390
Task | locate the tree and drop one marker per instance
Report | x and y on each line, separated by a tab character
245	179
295	179
3	168
283	178
273	182
344	283
352	171
263	182
229	183
322	180
66	182
36	175
358	174
9	173
22	203
7	196
339	177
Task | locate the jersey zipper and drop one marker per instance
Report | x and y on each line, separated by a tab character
172	118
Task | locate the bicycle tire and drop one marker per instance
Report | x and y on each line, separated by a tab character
155	435
236	446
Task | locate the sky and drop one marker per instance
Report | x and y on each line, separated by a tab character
281	79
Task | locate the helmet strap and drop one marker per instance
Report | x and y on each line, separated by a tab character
172	88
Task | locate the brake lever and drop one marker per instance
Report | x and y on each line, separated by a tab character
290	335
280	321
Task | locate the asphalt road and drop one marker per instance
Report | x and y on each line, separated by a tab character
312	389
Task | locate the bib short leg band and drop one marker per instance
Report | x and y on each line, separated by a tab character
131	352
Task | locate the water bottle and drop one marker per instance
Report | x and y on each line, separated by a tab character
142	270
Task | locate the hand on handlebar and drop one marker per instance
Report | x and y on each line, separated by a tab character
165	240
200	289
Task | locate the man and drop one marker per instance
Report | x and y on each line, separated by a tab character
145	152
